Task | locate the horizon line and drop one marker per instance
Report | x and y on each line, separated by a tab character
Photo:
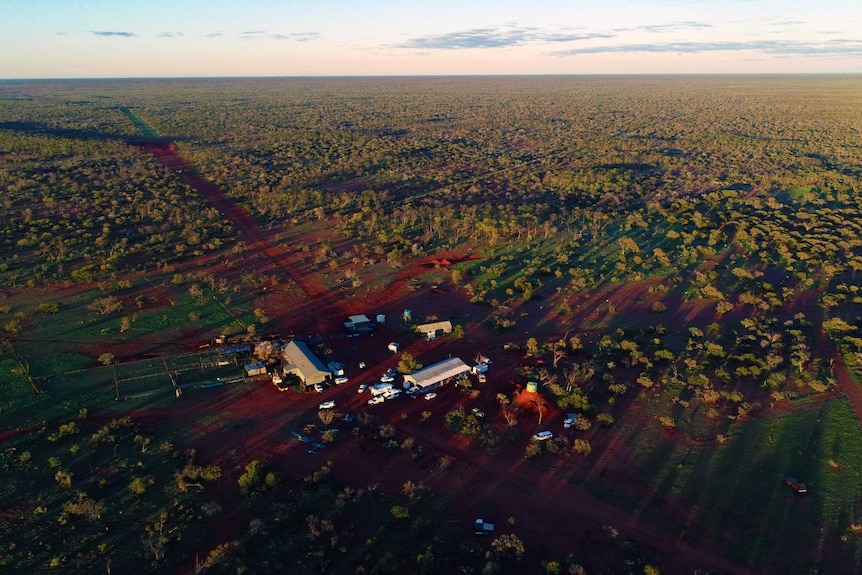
419	76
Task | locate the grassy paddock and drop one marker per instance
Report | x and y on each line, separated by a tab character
735	494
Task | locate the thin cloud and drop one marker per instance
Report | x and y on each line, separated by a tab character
672	27
772	47
251	34
170	35
297	36
214	35
494	38
121	34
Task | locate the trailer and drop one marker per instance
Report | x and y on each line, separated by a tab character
380	388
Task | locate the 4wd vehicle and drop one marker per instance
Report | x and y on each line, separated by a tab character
570	420
543	436
430	395
318	388
376	399
340	380
362	388
387	378
326	405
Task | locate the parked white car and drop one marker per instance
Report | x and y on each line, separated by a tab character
570	420
340	380
386	378
376	399
362	388
318	388
543	436
430	395
326	405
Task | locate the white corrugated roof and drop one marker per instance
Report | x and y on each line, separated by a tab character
438	372
297	354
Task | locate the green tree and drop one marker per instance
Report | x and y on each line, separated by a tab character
252	477
508	545
139	485
407	363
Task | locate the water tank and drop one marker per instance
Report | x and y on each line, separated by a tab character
532	386
381	319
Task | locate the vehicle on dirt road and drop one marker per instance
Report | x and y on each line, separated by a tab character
543	436
430	395
326	405
376	399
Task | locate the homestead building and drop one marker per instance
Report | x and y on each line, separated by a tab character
432	330
300	361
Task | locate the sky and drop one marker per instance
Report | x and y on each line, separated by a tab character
217	38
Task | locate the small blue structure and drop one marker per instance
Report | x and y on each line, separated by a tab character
253	369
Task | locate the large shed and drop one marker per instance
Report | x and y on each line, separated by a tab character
299	360
432	330
436	375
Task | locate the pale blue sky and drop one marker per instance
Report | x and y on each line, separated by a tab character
170	38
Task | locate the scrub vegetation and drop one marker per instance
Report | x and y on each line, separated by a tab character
676	260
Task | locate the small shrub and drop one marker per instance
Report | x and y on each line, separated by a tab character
400	512
139	485
605	419
582	446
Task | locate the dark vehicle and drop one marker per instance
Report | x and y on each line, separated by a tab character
797	486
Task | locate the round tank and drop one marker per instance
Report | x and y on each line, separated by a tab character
532	386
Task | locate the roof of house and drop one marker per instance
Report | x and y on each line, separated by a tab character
297	355
438	372
445	325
